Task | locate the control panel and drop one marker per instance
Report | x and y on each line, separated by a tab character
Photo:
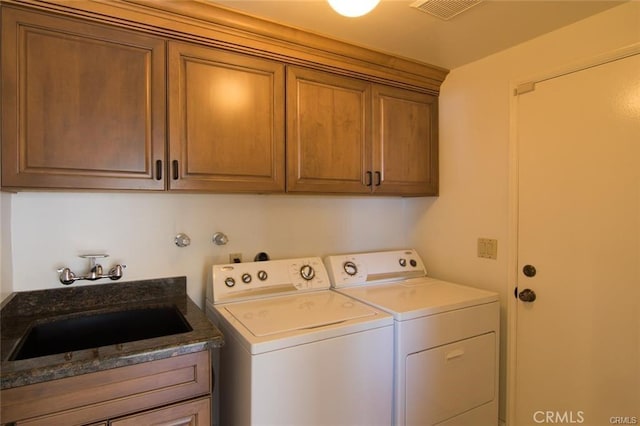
241	281
365	268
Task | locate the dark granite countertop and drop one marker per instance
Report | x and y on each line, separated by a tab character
22	310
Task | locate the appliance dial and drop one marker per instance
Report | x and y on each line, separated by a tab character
402	262
307	272
350	268
229	281
246	278
262	275
413	263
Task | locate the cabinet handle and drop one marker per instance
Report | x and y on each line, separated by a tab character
175	169
378	178
369	179
158	169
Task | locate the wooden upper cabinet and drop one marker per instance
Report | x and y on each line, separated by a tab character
328	133
405	139
83	105
226	121
347	135
144	101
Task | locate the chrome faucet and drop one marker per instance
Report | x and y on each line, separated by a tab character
95	271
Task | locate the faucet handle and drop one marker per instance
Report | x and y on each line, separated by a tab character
66	276
92	257
115	273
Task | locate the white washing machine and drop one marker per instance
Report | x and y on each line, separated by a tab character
297	353
446	343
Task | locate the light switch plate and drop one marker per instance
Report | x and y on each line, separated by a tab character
487	248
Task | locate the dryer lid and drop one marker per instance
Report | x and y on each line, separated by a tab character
420	297
267	317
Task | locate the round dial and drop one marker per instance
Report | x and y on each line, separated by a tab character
350	268
307	272
246	278
403	262
262	275
413	263
230	282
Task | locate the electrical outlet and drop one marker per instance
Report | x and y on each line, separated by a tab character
487	248
235	257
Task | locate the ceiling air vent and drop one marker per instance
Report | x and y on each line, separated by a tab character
444	9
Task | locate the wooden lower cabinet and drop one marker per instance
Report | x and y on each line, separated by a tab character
172	391
190	413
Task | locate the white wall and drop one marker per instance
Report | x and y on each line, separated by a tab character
50	230
475	148
6	279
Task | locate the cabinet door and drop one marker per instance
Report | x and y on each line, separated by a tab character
226	121
405	142
83	105
190	413
328	133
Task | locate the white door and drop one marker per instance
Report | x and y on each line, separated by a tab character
578	343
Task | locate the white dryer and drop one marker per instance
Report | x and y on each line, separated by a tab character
296	352
446	343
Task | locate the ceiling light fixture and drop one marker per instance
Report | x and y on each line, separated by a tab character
353	8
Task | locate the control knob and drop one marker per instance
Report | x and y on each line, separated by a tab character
262	275
246	278
229	282
350	268
402	262
307	272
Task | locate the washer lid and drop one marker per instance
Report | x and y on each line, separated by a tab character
266	317
420	297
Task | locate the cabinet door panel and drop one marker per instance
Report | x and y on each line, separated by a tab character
406	141
226	121
83	104
328	136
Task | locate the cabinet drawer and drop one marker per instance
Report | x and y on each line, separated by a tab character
106	394
190	413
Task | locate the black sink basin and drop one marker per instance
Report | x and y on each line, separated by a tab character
95	330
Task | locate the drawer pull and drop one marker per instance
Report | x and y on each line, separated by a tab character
457	353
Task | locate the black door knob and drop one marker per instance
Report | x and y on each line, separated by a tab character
527	295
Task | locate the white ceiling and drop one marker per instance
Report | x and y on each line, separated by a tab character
395	27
